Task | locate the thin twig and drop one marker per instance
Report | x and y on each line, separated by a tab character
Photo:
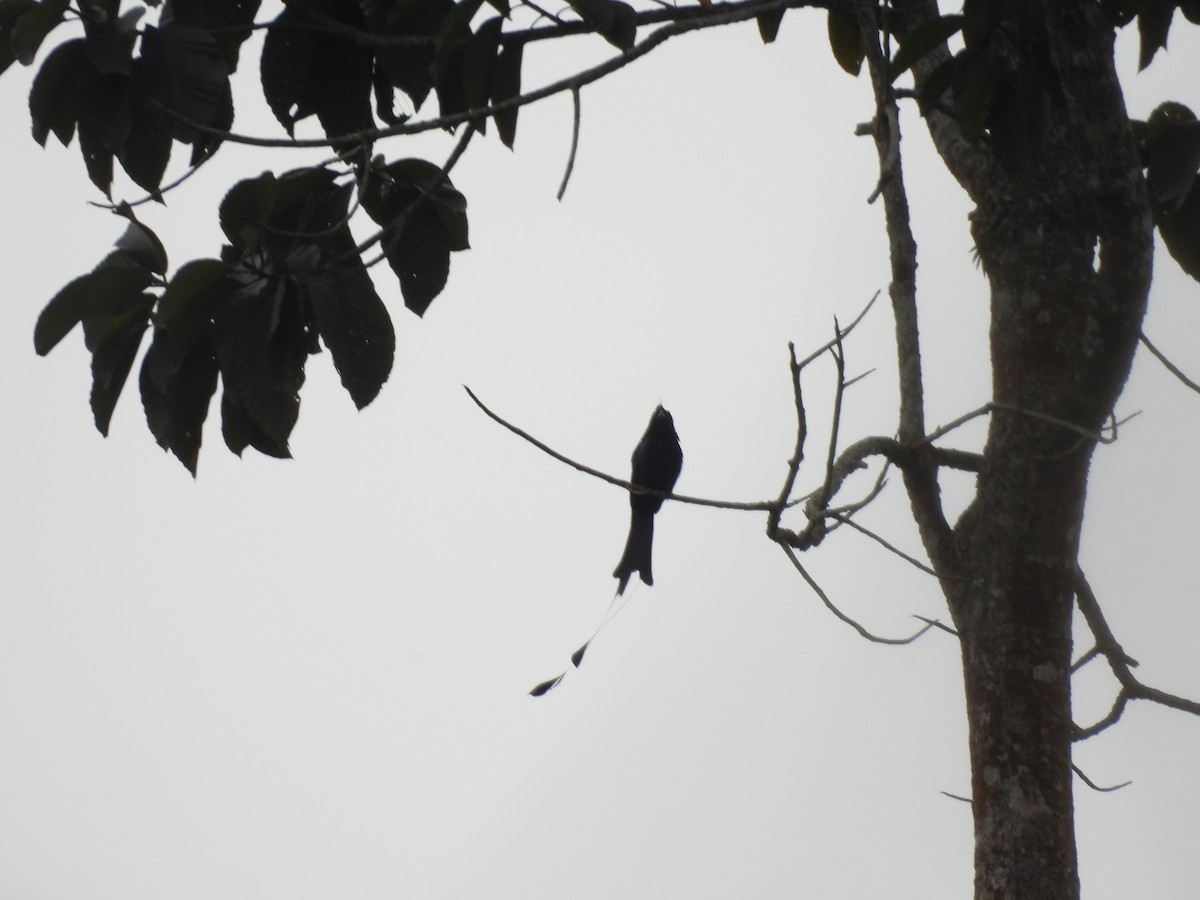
1122	665
759	506
842	333
574	143
911	560
791	554
1095	787
793	466
1170	366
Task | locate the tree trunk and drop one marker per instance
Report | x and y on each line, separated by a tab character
1067	252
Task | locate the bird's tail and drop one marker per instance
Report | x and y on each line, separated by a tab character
636	557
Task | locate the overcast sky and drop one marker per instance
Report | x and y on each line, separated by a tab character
308	679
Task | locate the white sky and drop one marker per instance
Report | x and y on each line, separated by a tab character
308	679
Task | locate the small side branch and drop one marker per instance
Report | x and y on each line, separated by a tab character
1095	787
1170	366
791	554
562	189
1121	663
758	506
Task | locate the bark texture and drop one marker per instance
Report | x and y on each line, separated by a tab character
1067	252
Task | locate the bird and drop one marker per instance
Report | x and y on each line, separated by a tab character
656	463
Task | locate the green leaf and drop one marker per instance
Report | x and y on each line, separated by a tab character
846	41
185	314
355	326
976	77
308	72
1154	23
1174	157
1180	231
110	41
145	147
506	83
596	13
420	256
480	64
177	407
241	431
768	25
54	100
31	29
142	244
412	69
193	72
11	12
422	224
622	32
922	40
227	21
105	291
114	340
262	344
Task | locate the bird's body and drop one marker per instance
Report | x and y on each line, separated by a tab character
657	460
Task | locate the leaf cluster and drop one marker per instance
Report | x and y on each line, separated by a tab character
1003	88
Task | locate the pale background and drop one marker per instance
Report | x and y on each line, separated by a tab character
308	679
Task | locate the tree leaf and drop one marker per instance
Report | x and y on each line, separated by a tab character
227	21
10	13
306	72
193	71
506	83
480	64
185	315
142	244
104	291
1174	157
114	340
927	36
1180	231
355	326
31	28
1154	23
110	40
55	97
846	41
241	431
177	406
262	345
768	25
419	254
146	145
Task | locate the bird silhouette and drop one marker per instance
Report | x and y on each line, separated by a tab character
656	460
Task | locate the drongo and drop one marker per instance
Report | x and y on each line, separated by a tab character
657	460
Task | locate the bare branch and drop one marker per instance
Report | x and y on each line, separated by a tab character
793	466
846	520
1095	787
966	800
562	189
1121	663
937	624
841	333
791	554
1170	366
759	506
